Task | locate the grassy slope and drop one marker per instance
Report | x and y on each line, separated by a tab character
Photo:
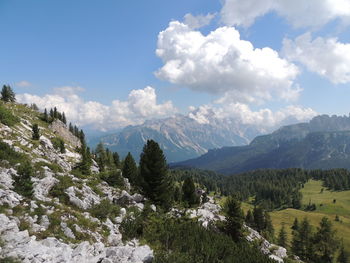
311	191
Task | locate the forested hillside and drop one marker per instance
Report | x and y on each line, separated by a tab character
323	143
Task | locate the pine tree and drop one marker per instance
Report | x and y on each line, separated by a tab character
71	129
46	116
295	226
269	231
85	165
23	183
302	241
64	120
325	242
156	181
249	219
62	147
116	159
7	94
282	237
189	192
36	132
55	114
234	219
130	169
101	156
342	257
259	220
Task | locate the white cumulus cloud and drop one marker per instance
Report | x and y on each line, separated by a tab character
198	21
326	56
140	105
300	13
242	113
222	63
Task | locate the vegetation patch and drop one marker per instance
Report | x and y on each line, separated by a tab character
7	117
105	209
58	190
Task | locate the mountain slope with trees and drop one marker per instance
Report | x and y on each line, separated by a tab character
323	143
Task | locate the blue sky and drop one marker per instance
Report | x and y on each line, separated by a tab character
99	56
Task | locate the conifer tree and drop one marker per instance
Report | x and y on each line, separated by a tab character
71	129
268	230
234	219
282	237
35	132
295	226
249	219
55	114
325	242
64	120
302	240
62	147
101	156
46	116
259	220
154	174
116	159
342	257
7	94
23	183
189	192
130	169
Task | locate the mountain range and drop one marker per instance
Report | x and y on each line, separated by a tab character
184	137
321	143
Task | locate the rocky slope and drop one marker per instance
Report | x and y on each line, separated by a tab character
73	218
46	229
322	143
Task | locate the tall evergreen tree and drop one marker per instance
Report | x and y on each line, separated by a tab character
189	192
249	219
259	220
302	241
46	116
7	94
295	226
35	132
325	242
342	257
282	237
130	169
234	218
116	159
64	120
154	174
101	156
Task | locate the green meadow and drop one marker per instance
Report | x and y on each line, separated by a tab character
325	206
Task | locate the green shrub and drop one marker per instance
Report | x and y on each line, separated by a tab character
105	209
23	182
9	154
6	116
58	189
58	144
113	178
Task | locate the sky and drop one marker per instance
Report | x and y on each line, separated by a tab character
108	64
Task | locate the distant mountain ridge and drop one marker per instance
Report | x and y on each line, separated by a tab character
181	137
324	142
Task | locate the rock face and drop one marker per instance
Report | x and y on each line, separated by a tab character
20	245
275	252
61	130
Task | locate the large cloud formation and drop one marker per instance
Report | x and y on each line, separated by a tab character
222	63
243	114
140	105
324	56
300	13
